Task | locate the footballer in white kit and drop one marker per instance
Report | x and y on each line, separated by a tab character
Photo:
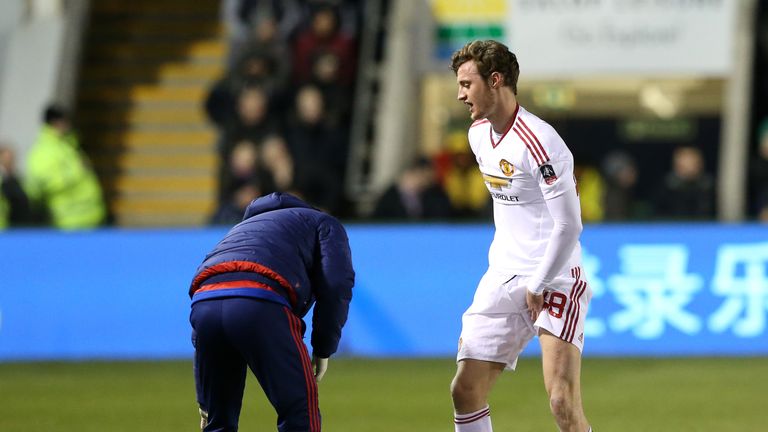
524	167
534	283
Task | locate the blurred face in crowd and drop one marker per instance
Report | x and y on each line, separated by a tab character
277	159
246	194
6	160
326	68
688	163
411	182
252	106
416	179
474	91
763	145
324	23
275	153
309	104
265	29
627	176
243	159
61	125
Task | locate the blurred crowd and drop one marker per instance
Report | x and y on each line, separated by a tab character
449	186
283	110
283	107
260	155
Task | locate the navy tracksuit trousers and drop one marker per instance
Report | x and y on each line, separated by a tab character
232	333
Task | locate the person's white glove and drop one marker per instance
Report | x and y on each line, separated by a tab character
319	366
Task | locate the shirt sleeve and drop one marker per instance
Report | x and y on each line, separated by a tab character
566	214
332	282
551	165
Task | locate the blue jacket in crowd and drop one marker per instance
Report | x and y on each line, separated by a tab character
287	252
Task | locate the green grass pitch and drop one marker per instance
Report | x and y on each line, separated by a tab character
679	394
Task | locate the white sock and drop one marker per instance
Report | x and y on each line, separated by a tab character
478	421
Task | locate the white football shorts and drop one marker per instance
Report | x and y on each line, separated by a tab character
497	326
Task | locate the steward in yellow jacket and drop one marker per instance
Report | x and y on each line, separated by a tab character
60	178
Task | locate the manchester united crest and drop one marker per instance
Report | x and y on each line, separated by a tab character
507	168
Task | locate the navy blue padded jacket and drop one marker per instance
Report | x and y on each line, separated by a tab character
287	252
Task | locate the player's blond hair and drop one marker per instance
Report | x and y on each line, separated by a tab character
489	56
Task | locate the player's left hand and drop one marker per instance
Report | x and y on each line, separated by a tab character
319	365
535	304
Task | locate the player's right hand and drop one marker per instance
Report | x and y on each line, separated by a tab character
535	304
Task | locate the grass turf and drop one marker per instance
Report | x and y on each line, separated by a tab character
681	394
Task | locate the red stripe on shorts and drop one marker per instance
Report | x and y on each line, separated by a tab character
309	377
569	314
577	305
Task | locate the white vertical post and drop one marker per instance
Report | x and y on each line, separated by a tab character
734	139
395	140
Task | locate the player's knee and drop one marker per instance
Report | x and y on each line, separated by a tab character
465	392
563	408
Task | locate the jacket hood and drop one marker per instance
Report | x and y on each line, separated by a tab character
274	201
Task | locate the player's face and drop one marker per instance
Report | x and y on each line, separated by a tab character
474	91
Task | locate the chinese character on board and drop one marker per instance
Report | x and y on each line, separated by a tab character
654	290
741	276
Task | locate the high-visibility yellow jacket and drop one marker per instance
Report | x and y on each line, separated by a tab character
60	178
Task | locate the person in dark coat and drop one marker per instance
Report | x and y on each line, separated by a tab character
248	299
14	205
415	195
688	190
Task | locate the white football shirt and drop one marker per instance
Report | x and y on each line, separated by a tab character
524	166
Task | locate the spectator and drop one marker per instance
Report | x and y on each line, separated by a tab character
246	180
14	206
462	180
60	178
590	185
254	70
323	35
277	161
762	213
416	196
338	97
240	17
348	13
620	174
688	190
265	41
318	149
253	122
231	211
759	173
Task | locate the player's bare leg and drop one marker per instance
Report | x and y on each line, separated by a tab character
473	382
561	364
470	388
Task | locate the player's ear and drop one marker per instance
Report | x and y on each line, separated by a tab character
496	80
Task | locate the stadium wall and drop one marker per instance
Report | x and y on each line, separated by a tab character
659	290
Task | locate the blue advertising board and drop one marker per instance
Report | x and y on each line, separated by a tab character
658	290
